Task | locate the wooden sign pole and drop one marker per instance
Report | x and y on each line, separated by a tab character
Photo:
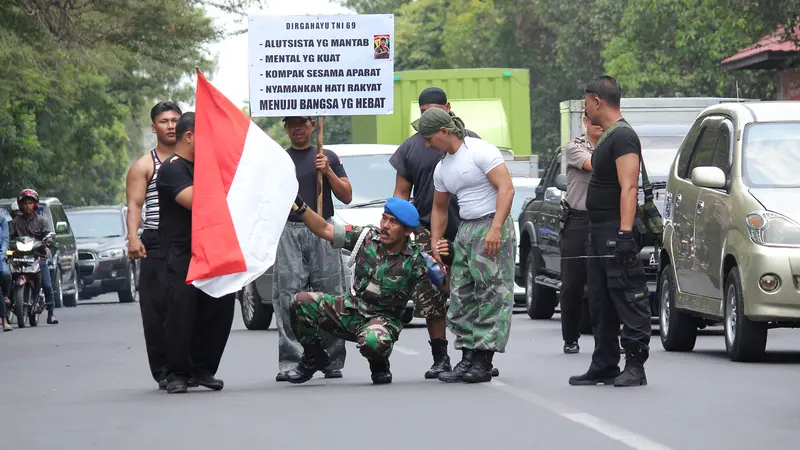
320	140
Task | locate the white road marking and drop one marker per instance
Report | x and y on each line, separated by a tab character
617	433
405	350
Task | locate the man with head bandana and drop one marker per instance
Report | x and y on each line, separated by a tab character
388	268
482	278
415	163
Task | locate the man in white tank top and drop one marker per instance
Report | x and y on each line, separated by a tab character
482	273
141	191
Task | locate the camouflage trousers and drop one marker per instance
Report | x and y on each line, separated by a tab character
482	287
431	302
375	334
304	262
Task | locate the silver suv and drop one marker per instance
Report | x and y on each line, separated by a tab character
731	250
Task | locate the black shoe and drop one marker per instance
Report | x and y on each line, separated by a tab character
591	378
481	369
380	371
51	319
206	380
162	385
281	377
441	360
571	348
177	386
314	359
332	374
633	375
457	374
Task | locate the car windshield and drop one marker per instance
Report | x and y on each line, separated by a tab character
372	178
771	155
521	193
96	225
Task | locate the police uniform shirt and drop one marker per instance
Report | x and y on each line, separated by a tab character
603	197
305	167
578	151
416	162
175	221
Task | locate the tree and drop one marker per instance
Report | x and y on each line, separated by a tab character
674	48
79	74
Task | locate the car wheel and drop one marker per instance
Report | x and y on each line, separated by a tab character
677	328
128	292
745	340
255	315
540	300
71	300
58	289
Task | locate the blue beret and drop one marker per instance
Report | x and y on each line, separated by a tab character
403	211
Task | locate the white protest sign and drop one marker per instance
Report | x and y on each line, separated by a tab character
321	65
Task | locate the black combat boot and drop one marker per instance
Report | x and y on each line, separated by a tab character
571	348
593	378
380	371
457	374
633	375
481	369
441	360
314	359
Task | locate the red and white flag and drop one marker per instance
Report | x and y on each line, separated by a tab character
244	187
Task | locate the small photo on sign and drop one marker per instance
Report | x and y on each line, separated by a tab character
382	45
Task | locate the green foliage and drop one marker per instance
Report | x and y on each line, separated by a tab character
654	47
79	77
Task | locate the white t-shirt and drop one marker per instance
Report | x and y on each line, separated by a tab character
464	174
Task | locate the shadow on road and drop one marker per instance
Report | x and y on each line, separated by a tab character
771	357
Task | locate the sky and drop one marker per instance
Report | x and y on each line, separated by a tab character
232	76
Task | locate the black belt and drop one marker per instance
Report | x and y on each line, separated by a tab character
299	220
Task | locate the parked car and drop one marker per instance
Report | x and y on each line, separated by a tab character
732	231
63	270
540	241
103	265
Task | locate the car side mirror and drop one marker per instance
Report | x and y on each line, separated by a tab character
553	195
61	227
709	177
561	182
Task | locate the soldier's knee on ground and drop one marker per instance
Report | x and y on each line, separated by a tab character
377	343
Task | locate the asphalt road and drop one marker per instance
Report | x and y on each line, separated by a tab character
84	384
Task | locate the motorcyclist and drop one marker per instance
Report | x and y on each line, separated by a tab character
28	223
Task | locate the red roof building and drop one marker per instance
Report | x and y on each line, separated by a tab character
773	52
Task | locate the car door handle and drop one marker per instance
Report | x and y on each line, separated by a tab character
700	206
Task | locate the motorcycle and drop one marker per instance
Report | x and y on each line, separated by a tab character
26	264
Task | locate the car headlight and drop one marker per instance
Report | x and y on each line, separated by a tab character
113	253
772	229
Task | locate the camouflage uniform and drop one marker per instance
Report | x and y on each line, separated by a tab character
482	288
383	284
429	301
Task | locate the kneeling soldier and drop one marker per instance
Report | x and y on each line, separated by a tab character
389	269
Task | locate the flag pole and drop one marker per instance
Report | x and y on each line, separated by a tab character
320	140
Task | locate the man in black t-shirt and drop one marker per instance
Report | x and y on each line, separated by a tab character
415	163
617	287
304	262
197	325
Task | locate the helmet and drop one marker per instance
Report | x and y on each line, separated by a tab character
28	193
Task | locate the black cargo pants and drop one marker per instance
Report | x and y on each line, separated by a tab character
197	325
617	292
152	303
574	236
